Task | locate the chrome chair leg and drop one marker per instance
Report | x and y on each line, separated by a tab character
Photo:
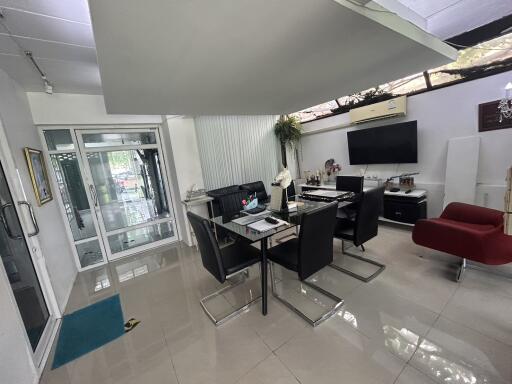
366	260
244	275
338	302
461	270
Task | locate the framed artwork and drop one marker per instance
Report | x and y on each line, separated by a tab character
38	175
489	117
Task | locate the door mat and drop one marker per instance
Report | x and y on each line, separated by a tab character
88	329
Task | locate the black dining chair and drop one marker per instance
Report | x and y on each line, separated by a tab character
352	184
364	227
307	254
223	263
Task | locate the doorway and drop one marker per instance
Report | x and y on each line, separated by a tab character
114	190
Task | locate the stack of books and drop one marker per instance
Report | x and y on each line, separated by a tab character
508	204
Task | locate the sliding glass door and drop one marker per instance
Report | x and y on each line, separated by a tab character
122	176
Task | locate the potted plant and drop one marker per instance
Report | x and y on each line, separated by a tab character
289	131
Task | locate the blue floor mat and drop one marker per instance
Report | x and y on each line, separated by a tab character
88	329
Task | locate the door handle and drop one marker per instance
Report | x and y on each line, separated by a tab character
93	194
32	217
6	224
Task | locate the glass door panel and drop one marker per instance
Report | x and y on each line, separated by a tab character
74	197
129	187
20	270
59	140
140	236
92	140
81	219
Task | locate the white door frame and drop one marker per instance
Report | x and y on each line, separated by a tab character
40	355
55	186
79	148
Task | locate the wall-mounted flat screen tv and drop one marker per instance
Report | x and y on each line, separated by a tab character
390	144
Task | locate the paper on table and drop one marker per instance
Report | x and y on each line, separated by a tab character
244	220
263	226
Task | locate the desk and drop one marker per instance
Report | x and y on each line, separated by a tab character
398	207
292	218
330	187
195	202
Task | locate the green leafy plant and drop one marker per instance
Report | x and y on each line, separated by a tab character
360	99
288	131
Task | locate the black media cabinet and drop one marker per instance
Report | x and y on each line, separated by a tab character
405	207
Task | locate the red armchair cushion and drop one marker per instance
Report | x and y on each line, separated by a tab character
467	231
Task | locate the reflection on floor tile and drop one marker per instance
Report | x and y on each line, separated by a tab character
453	353
411	375
334	354
412	324
394	322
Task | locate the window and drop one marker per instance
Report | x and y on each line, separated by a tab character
484	59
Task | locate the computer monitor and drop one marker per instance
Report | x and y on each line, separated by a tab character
350	183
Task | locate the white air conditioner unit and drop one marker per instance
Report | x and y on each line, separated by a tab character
383	110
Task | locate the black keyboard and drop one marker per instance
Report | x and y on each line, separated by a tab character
256	210
349	196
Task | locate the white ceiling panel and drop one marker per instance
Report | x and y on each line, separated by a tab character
449	18
47	28
48	49
244	57
73	76
75	10
467	15
427	8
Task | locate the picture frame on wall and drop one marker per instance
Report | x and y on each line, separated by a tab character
489	117
38	175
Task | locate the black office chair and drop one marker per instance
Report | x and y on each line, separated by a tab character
352	184
222	263
363	228
306	255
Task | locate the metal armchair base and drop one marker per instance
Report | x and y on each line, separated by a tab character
244	274
338	302
353	274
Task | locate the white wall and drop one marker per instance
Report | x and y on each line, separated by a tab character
20	131
443	114
186	161
65	108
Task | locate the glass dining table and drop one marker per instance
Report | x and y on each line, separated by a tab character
292	219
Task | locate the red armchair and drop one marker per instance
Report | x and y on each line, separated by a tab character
468	231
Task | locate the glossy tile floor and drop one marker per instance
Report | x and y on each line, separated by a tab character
412	324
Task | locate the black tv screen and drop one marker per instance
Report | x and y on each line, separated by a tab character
390	144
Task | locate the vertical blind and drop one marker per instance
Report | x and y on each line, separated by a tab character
237	149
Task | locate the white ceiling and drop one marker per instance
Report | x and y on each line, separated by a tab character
449	18
60	35
246	57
